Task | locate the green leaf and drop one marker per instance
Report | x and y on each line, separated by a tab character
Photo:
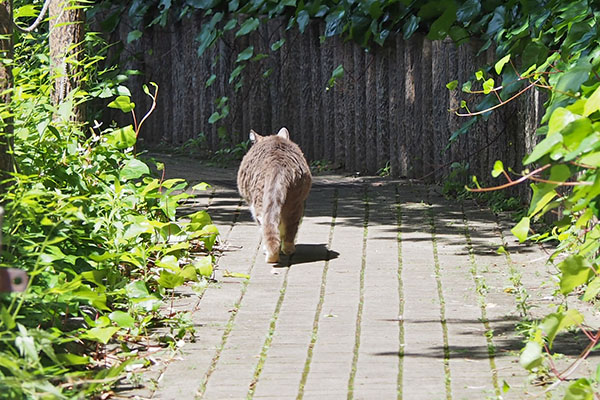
500	63
337	73
560	118
452	85
133	36
542	195
468	11
572	79
557	322
122	103
535	53
593	103
211	79
581	389
521	230
134	169
200	219
248	26
73	359
277	45
303	19
122	319
228	274
531	356
440	27
208	235
201	186
410	26
170	280
204	266
246	54
189	273
542	148
479	75
505	386
26	345
592	290
334	22
488	86
214	117
137	290
7	318
122	138
576	271
169	262
102	335
459	35
236	72
498	169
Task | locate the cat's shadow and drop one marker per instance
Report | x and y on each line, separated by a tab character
308	253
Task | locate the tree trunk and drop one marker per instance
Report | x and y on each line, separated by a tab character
66	38
6	52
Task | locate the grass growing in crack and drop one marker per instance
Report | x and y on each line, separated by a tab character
400	296
481	289
228	329
269	338
319	309
440	292
361	299
519	291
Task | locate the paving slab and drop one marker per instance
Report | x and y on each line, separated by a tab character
394	292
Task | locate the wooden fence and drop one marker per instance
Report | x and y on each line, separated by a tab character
391	107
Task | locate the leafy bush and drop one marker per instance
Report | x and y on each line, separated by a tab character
97	234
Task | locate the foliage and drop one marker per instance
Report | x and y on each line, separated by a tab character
454	188
96	232
553	46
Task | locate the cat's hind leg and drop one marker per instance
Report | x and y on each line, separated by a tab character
290	220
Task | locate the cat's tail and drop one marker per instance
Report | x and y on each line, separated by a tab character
273	199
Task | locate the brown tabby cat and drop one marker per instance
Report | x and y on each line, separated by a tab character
275	179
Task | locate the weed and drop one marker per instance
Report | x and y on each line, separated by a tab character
385	171
320	166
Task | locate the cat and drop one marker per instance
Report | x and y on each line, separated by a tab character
274	179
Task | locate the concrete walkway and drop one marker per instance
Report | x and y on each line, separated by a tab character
394	292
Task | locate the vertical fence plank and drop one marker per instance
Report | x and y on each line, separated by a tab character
161	68
439	106
347	135
413	100
393	91
383	116
455	68
317	110
339	108
328	117
425	111
360	138
402	112
306	98
371	106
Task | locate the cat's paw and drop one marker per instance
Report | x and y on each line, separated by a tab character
288	248
272	258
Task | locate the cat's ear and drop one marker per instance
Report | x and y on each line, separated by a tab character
254	137
284	133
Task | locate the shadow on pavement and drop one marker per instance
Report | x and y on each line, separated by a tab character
308	253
